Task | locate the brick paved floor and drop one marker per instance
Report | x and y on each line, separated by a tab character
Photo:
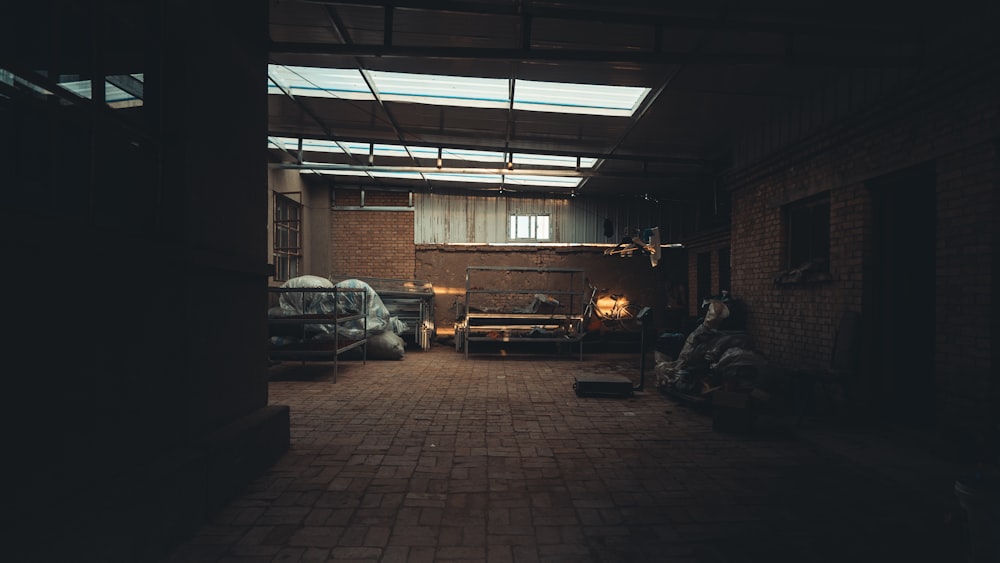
494	458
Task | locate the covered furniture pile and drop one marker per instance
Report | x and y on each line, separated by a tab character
409	301
311	318
714	363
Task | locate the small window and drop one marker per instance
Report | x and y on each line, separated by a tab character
287	238
807	234
529	227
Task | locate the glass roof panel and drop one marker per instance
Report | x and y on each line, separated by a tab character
404	175
551	181
473	178
439	90
553	160
594	99
399	151
113	95
291	144
545	181
473	156
463	91
319	145
335	172
318	82
356	148
424	152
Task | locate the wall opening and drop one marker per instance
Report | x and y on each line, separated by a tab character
900	296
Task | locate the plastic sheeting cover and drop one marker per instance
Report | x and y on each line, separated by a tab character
377	315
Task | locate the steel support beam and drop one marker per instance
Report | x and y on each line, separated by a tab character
596	56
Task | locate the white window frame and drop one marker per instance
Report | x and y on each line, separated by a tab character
529	227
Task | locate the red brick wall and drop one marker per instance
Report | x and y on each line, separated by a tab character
372	242
953	122
794	324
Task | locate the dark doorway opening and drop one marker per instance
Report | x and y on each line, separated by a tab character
704	277
900	297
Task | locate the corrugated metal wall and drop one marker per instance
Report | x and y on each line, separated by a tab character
443	218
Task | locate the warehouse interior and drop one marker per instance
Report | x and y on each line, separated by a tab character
828	172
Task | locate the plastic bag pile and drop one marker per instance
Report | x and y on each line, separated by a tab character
383	330
711	359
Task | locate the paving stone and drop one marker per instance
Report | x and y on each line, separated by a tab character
494	458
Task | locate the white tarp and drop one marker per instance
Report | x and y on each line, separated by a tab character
344	303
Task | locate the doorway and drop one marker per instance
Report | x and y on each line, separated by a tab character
704	277
900	296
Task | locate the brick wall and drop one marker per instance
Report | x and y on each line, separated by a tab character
794	324
372	242
445	267
951	121
967	209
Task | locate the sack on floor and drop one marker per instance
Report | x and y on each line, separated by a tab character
386	345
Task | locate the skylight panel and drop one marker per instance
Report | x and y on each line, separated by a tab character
397	151
553	160
440	90
461	91
496	179
291	144
424	152
547	181
396	175
79	87
113	95
335	172
286	143
489	175
473	156
319	145
592	99
356	148
472	178
319	82
11	79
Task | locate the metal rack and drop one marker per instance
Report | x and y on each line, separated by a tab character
562	324
411	301
296	327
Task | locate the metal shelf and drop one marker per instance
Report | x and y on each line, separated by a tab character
411	301
523	326
322	353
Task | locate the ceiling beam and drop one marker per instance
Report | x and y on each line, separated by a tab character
597	151
503	171
818	24
871	60
344	35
